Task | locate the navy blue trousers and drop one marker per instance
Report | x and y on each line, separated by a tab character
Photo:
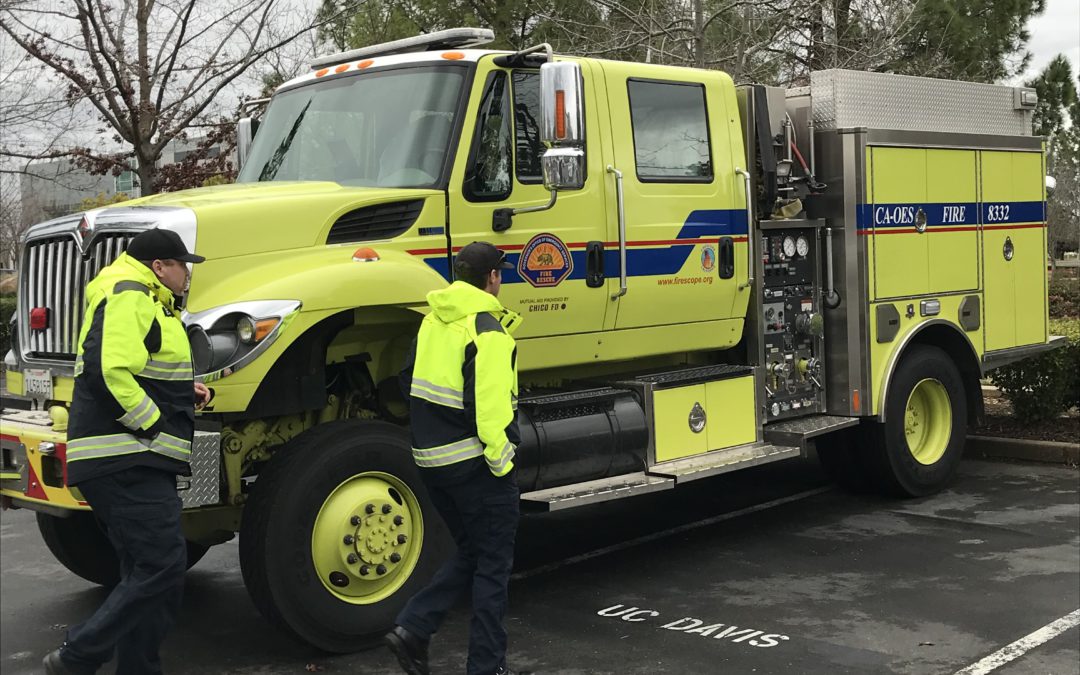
482	516
140	511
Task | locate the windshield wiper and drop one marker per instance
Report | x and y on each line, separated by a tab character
272	165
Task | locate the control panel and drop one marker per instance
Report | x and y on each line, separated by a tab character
792	323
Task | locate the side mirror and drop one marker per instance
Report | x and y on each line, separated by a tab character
562	117
562	126
1051	183
563	168
245	134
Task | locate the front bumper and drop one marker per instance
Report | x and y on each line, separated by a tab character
33	467
33	464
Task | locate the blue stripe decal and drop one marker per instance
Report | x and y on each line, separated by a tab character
1004	213
956	214
640	262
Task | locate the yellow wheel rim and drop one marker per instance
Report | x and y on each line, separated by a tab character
367	538
928	421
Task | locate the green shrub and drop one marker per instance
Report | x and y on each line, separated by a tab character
1043	387
7	308
1064	295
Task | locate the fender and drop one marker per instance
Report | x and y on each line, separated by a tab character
902	346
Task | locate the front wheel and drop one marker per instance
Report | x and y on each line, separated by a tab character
79	544
338	533
917	449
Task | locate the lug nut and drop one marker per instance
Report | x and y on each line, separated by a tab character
381	569
348	540
401	539
369	509
354	521
386	508
394	557
364	570
398	520
353	559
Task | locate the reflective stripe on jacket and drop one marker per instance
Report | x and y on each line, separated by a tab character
133	401
463	381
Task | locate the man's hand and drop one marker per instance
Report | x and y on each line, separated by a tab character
202	395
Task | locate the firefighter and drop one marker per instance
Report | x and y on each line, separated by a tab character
129	436
462	386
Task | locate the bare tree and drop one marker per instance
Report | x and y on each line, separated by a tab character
149	69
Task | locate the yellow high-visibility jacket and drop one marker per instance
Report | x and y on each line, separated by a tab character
462	384
134	401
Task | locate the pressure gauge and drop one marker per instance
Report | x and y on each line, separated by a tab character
802	246
789	247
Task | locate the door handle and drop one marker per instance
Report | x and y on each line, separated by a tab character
594	264
749	229
622	231
726	257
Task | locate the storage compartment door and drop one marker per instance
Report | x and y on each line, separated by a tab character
953	220
674	433
730	408
901	252
1014	249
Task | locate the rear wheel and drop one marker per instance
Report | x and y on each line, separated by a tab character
917	449
79	544
338	533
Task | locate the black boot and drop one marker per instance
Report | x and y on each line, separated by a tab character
411	651
54	665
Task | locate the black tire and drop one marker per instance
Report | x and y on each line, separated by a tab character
279	518
79	544
843	456
894	466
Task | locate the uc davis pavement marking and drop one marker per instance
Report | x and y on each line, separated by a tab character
1023	645
691	626
630	543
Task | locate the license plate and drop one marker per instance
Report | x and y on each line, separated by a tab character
37	383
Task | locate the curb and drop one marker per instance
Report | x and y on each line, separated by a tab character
1023	449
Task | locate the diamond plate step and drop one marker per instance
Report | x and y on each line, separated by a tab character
595	491
723	461
798	431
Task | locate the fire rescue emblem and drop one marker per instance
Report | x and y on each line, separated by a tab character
708	259
545	261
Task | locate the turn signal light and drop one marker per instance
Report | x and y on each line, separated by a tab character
39	318
560	114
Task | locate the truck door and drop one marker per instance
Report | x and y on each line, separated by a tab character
686	223
553	251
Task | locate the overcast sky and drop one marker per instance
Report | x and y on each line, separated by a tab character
1056	31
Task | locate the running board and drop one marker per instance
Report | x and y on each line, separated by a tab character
797	432
723	461
596	491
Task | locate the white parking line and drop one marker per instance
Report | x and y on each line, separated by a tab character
525	574
1023	645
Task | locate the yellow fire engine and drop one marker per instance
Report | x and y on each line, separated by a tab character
712	277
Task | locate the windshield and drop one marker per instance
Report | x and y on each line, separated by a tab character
383	129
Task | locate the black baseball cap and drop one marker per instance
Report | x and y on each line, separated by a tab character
481	257
158	244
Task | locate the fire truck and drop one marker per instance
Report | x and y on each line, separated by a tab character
712	277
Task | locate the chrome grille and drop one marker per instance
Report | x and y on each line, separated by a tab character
56	277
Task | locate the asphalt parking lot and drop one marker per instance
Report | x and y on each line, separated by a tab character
765	571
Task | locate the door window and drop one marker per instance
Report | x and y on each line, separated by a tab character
671	132
488	178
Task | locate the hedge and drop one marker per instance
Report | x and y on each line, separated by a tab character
1043	387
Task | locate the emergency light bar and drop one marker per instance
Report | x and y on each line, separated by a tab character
451	38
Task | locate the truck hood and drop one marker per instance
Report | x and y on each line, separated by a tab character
249	218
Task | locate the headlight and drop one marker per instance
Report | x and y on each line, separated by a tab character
225	339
